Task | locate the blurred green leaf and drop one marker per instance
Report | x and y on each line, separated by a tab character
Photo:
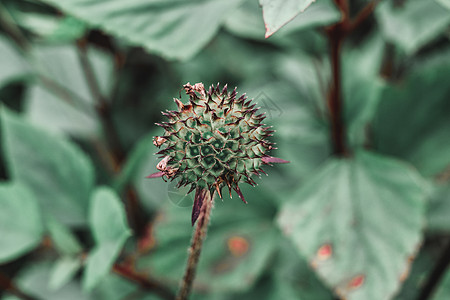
61	64
57	115
114	287
357	221
13	65
110	230
58	174
445	3
421	268
174	29
248	21
136	159
277	13
271	288
413	23
48	27
63	271
60	100
153	192
34	280
412	119
443	290
65	242
439	210
302	135
294	271
68	29
362	87
241	240
21	225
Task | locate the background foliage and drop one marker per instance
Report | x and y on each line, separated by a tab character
82	83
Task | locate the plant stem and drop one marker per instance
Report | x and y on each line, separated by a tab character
336	36
10	27
363	14
7	285
103	107
143	281
196	246
437	273
135	214
335	98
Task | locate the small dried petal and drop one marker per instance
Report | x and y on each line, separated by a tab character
158	141
156	175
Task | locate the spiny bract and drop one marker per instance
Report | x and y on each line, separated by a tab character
213	140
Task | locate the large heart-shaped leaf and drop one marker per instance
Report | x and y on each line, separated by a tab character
58	174
173	28
358	221
21	225
277	13
248	20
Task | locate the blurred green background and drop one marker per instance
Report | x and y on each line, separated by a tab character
83	82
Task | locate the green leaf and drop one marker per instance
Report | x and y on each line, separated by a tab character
302	131
139	156
65	242
241	240
443	290
271	288
292	269
48	27
277	13
68	29
445	3
362	87
175	29
357	221
152	191
420	270
13	64
439	210
63	271
58	174
412	119
110	230
56	115
115	287
34	280
412	24
248	21
21	226
61	100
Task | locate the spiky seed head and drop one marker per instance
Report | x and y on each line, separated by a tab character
213	140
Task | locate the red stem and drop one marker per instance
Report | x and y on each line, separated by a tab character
336	36
144	281
335	97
